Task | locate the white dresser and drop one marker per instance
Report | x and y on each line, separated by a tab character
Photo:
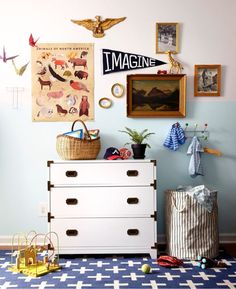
102	206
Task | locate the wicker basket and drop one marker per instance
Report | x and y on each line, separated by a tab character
71	148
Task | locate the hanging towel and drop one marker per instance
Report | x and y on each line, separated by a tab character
195	149
175	137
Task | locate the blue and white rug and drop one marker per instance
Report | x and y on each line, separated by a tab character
120	272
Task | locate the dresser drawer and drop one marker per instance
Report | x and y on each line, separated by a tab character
102	201
102	173
101	232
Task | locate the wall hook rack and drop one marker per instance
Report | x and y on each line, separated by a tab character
195	131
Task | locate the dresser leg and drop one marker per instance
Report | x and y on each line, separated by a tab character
153	253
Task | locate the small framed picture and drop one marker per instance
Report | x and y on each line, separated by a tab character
207	80
105	102
167	37
117	90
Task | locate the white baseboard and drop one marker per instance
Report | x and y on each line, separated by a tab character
6	241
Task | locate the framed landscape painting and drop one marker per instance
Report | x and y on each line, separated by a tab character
167	37
207	80
152	95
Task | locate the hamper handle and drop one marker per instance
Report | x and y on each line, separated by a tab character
73	124
174	204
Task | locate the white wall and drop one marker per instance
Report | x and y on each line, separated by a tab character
207	36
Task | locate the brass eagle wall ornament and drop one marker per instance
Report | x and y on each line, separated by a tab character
98	26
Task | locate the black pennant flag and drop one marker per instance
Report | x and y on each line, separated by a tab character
115	61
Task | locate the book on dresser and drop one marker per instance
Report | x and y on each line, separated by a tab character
103	207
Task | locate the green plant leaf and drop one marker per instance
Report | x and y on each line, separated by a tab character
137	137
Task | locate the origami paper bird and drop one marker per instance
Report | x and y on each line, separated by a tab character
4	56
98	26
21	70
32	42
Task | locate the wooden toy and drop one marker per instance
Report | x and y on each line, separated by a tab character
28	259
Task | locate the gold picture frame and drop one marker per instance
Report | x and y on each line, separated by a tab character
105	102
153	95
167	37
117	90
207	80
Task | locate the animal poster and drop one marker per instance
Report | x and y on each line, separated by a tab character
62	82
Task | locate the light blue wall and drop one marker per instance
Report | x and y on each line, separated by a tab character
207	36
24	171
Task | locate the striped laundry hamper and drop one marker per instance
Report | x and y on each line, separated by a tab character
190	229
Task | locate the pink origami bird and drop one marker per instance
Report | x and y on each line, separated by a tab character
32	42
4	56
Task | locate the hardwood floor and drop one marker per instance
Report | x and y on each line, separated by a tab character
230	249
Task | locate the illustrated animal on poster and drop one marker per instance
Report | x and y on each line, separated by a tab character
61	110
41	68
32	42
55	94
78	85
72	54
40	100
4	56
83	54
45	55
84	106
55	75
175	66
67	73
71	99
73	110
45	83
19	71
81	74
59	62
78	62
98	26
45	112
42	71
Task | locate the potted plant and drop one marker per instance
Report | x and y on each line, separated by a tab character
138	139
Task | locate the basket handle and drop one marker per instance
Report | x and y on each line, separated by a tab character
179	210
79	120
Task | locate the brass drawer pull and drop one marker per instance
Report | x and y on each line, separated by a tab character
132	201
71	232
132	232
71	174
71	201
132	173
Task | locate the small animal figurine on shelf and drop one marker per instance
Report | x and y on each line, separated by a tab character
161	71
175	66
204	263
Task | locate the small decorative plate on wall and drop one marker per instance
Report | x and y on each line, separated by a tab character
117	90
105	102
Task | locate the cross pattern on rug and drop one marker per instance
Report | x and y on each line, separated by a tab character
120	273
